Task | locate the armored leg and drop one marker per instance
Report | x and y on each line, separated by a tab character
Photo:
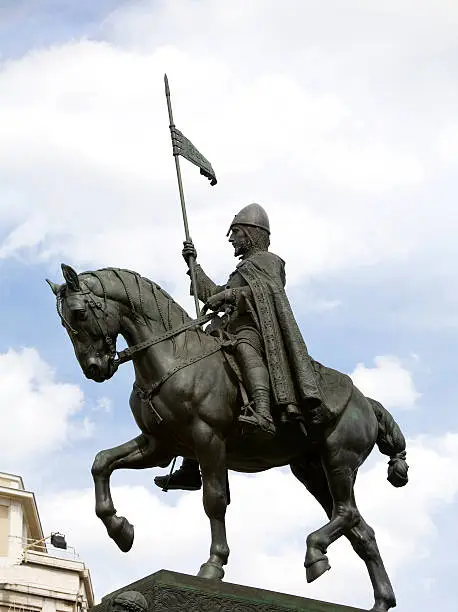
256	377
186	478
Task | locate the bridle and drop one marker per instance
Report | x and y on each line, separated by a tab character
99	311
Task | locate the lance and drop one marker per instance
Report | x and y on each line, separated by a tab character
182	146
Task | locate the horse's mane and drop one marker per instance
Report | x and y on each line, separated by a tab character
144	302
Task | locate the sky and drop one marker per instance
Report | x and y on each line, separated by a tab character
339	117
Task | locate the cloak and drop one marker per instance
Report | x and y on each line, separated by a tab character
292	376
295	377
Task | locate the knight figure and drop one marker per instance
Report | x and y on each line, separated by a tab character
277	370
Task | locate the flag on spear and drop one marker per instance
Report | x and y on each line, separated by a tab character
184	147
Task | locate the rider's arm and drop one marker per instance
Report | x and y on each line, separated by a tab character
205	286
235	295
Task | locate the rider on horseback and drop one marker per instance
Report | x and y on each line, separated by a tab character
269	347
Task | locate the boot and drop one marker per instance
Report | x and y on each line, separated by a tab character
257	380
186	478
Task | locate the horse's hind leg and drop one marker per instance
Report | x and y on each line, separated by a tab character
140	452
361	536
309	471
211	453
344	517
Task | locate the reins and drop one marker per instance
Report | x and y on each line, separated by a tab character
128	353
98	310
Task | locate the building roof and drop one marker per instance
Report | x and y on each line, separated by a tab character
12	487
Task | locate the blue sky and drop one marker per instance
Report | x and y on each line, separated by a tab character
29	24
340	120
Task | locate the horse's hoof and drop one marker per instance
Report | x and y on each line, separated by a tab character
211	571
384	606
317	569
123	534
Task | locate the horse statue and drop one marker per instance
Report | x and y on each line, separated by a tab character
186	400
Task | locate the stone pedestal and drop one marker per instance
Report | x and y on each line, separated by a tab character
173	592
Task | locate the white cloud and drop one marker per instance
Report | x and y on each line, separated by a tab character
104	404
447	143
268	521
323	305
290	116
38	413
389	382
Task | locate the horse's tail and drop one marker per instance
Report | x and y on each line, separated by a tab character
391	442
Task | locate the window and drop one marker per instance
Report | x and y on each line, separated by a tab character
4	530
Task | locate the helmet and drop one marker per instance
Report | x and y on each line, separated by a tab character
253	215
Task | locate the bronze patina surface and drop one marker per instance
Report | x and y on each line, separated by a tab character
243	394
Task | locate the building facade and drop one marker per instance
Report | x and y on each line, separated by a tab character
34	576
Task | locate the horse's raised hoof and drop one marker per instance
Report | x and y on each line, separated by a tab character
384	606
211	571
122	532
317	569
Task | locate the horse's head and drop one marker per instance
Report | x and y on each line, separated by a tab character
91	320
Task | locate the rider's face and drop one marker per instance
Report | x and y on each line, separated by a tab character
239	241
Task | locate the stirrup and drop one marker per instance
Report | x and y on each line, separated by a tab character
254	420
182	479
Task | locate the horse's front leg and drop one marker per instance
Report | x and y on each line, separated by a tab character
141	452
211	453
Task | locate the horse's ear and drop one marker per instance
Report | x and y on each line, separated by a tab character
54	286
71	277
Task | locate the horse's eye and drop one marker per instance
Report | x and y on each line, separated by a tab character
81	315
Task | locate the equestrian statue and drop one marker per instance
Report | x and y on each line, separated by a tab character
241	394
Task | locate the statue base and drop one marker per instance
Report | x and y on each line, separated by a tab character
173	592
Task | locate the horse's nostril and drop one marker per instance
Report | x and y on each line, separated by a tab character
93	370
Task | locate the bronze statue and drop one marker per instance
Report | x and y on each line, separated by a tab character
189	396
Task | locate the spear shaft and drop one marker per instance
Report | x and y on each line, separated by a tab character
191	261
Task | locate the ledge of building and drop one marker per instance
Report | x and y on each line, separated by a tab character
30	589
44	559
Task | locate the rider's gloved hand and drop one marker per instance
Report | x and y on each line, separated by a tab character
215	302
189	251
